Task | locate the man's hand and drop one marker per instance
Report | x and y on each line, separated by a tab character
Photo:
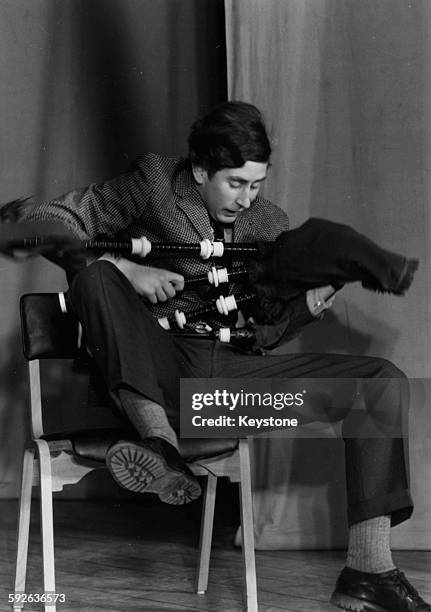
320	299
155	284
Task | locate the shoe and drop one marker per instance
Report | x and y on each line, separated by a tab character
386	592
153	466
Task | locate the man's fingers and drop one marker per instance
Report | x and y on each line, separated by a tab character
177	280
152	298
161	294
326	292
155	284
169	290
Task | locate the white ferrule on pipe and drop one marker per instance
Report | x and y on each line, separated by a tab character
225	304
224	334
213	277
218	249
180	319
223	276
141	246
163	322
62	301
206	248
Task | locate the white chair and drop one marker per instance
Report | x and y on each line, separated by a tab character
51	462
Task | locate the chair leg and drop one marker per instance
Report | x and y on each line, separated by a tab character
23	525
247	529
206	534
46	520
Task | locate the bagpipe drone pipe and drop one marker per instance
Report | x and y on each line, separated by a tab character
317	253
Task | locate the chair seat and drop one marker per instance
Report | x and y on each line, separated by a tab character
92	445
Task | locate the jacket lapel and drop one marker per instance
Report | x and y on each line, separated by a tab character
243	231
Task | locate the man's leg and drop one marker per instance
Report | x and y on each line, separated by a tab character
377	487
139	364
375	467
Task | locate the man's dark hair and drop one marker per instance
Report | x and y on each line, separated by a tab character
231	134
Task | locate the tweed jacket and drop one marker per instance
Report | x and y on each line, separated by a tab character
157	197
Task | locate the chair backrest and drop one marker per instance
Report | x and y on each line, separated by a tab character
47	331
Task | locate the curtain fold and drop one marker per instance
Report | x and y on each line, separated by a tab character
86	86
345	89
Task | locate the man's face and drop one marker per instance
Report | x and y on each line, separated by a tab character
230	191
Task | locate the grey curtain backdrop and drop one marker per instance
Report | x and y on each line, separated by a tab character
345	88
85	86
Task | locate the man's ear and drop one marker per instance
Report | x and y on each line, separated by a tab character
199	174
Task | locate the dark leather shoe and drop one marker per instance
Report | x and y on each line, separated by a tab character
153	466
386	592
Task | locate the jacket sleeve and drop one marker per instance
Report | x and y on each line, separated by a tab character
101	208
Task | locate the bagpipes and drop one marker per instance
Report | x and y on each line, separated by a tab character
318	253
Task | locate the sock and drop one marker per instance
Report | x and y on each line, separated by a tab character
148	418
369	546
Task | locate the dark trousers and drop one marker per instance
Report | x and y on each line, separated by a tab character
130	349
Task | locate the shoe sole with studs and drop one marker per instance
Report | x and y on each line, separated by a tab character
141	470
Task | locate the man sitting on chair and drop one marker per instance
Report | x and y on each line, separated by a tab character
214	193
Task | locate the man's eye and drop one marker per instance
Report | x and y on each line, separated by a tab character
235	185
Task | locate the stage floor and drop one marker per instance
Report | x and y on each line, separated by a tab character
123	555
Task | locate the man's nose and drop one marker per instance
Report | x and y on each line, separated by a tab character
244	199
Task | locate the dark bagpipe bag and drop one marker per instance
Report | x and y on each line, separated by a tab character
322	252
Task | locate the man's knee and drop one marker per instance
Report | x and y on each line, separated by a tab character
387	397
387	369
93	281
